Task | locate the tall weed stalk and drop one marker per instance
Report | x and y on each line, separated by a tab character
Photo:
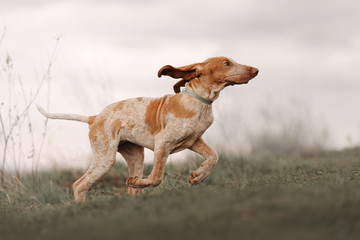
15	120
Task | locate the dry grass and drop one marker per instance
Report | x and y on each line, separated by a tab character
303	196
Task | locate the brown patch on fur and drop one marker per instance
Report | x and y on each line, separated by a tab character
91	119
130	125
92	134
97	129
116	126
118	106
92	137
139	99
153	115
177	107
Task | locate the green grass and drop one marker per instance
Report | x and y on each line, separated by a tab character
300	196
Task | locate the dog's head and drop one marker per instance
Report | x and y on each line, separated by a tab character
214	73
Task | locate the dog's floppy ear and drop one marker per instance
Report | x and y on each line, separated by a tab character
186	73
179	84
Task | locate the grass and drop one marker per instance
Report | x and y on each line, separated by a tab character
301	196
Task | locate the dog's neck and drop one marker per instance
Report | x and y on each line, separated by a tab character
187	91
210	93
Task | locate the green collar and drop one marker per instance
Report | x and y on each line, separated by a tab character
197	96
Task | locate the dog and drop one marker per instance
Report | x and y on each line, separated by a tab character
165	125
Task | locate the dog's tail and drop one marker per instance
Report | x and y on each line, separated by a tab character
65	116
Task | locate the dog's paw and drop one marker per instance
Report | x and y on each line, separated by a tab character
197	177
131	182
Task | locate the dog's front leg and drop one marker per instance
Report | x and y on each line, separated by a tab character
211	158
161	153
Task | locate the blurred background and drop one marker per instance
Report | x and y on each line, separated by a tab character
92	53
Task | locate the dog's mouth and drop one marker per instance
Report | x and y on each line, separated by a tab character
235	83
236	80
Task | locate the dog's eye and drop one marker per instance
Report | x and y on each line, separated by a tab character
226	63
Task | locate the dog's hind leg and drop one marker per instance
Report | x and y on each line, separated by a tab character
104	150
134	156
101	164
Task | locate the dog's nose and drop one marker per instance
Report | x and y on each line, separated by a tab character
254	71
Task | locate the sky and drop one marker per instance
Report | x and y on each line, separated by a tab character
308	54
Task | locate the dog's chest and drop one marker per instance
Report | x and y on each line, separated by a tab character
184	132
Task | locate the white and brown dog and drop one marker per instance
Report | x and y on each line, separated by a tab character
165	125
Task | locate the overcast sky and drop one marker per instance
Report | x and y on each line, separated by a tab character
307	52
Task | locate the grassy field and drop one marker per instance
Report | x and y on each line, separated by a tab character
300	196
